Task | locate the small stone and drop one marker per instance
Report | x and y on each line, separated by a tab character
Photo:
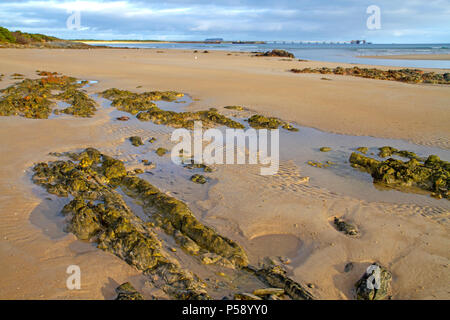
161	151
345	227
127	292
268	292
246	296
348	267
325	149
136	141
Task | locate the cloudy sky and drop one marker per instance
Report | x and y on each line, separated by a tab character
402	21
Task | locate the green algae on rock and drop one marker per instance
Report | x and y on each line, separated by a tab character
363	150
198	178
175	215
192	165
318	164
432	175
98	213
141	105
33	98
161	151
388	151
402	75
276	53
136	141
127	292
345	227
376	276
236	108
275	276
325	149
258	121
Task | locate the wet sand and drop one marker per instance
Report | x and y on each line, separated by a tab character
345	105
410	57
266	215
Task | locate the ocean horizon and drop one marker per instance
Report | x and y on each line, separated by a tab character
345	53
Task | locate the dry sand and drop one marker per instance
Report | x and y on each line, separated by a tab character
277	215
411	57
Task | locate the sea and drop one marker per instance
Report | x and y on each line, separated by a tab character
346	53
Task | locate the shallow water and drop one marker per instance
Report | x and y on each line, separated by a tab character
345	53
300	147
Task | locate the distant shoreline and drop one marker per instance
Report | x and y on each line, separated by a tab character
410	57
120	42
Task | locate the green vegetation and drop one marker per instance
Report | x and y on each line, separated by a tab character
23	37
6	36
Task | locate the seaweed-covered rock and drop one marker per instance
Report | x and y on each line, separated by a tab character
198	178
236	108
161	151
99	214
325	149
141	104
318	164
277	53
386	151
175	215
136	141
375	284
113	169
34	98
268	292
258	121
345	227
127	292
363	150
202	166
432	175
402	75
275	276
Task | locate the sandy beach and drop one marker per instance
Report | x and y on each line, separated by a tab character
411	57
280	215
